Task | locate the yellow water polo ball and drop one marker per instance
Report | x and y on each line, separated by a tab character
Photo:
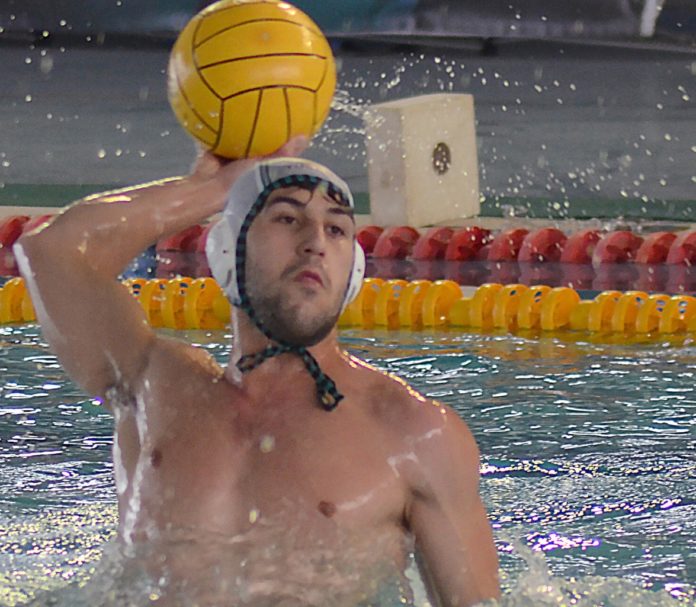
244	76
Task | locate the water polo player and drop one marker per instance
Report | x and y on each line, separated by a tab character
296	475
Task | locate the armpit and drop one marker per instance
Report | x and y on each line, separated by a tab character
118	397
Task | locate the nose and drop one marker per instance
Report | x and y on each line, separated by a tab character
313	241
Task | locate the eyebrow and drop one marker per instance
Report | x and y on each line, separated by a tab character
294	202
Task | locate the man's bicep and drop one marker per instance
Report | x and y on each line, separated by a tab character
449	521
456	551
95	327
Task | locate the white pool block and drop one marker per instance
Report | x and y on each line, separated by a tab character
422	160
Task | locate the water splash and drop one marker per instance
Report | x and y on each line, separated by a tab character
536	586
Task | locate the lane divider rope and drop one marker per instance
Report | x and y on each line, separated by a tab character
188	303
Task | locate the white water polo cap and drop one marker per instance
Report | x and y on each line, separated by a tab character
244	202
227	244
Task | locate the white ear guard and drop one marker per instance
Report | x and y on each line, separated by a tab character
357	275
247	195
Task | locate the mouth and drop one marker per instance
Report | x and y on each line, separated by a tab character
309	277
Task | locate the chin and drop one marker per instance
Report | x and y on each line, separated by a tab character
313	332
305	327
301	317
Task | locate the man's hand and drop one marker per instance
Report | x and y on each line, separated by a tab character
208	166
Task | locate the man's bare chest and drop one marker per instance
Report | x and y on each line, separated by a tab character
229	473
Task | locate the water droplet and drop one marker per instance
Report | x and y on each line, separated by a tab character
267	443
46	64
28	98
101	153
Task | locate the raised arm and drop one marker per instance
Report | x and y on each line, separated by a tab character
91	321
448	519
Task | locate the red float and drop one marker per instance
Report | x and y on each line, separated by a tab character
655	247
542	245
616	247
580	246
203	238
506	245
396	242
11	229
36	221
683	249
184	241
432	244
467	243
367	237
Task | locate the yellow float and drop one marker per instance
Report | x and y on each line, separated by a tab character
185	303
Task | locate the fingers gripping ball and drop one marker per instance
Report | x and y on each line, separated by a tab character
245	76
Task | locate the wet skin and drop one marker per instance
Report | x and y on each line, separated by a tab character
286	489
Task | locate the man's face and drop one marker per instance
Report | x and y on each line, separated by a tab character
299	257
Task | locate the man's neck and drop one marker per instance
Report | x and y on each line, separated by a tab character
248	340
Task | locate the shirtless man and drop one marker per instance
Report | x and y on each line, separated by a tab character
296	475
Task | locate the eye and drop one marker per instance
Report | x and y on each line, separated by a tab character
336	230
285	219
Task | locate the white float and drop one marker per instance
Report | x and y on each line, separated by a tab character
422	160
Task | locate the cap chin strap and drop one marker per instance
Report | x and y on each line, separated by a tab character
328	394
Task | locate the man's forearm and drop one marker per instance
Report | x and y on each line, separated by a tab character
108	230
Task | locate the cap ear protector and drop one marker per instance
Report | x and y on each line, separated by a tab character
357	275
246	199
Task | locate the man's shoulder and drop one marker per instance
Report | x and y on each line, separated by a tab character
433	432
399	403
174	361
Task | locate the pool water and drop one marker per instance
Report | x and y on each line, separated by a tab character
588	461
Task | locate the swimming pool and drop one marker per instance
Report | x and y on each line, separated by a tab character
588	462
